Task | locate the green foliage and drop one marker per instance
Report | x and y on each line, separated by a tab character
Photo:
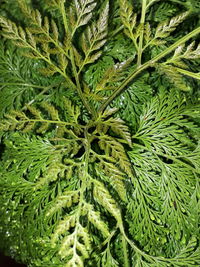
160	157
100	116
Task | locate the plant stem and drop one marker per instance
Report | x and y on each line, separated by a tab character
145	66
23	84
115	32
142	21
151	3
189	73
47	121
124	244
78	87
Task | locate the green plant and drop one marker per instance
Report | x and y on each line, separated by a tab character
100	114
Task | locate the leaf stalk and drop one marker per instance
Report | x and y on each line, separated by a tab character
142	21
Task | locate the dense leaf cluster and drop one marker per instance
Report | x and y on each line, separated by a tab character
99	128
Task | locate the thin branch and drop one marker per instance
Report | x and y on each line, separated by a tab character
142	21
189	73
125	252
78	87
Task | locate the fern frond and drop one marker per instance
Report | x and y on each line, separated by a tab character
63	226
176	67
44	30
81	246
174	76
131	102
66	199
147	33
111	174
94	38
24	153
17	85
117	125
164	29
192	53
128	17
19	120
191	74
12	32
103	197
142	210
189	254
116	150
54	171
184	53
165	169
95	218
194	157
37	48
73	244
107	258
151	2
176	200
72	112
165	122
154	220
81	13
112	75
